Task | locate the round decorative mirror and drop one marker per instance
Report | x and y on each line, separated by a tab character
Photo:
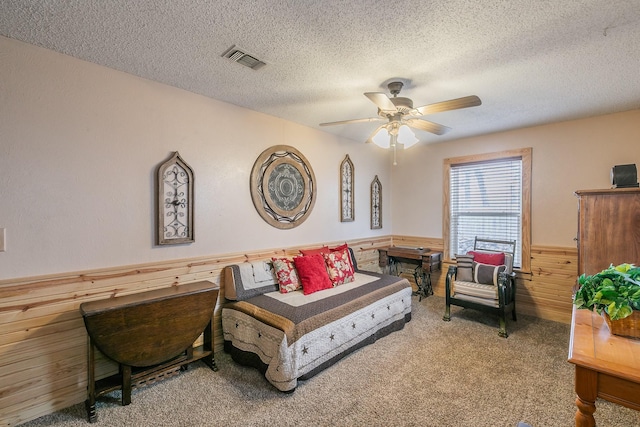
283	186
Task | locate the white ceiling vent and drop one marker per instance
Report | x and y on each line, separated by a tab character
241	57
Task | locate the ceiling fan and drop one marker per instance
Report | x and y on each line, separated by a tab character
399	114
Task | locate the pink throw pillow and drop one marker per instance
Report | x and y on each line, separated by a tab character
339	267
488	257
312	273
286	274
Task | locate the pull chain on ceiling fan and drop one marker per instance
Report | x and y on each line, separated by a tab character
401	115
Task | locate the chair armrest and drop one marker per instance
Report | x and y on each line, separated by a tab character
506	279
451	276
506	287
452	272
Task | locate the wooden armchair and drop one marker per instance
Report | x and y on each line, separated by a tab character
491	288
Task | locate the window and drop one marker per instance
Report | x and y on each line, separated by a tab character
488	196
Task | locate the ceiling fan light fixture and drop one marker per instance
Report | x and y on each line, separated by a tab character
381	139
406	137
402	117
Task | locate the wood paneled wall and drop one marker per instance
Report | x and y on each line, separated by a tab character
548	291
43	343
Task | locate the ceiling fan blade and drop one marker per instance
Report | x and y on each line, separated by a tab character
452	104
344	122
370	139
428	126
381	100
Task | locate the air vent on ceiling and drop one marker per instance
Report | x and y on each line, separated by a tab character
241	57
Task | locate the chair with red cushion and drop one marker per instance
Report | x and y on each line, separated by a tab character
483	279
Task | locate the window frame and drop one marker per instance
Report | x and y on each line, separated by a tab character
525	155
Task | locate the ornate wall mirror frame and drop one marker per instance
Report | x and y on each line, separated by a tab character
175	201
347	173
283	186
376	204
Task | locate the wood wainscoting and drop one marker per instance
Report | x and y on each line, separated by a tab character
43	342
548	291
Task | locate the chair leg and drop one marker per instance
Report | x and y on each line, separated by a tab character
503	326
447	312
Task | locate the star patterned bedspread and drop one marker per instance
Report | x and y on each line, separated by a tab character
294	334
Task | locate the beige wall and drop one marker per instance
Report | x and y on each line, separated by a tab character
78	152
80	144
567	156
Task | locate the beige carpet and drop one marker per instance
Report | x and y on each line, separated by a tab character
432	373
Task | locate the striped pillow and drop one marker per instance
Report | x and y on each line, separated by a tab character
465	268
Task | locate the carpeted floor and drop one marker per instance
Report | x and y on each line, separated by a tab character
432	373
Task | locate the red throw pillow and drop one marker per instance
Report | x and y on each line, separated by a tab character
322	250
339	267
312	273
490	258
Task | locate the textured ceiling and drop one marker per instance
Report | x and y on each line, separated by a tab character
530	61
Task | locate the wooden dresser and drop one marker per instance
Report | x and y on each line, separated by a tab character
606	365
608	228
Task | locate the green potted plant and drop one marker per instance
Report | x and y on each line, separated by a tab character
613	293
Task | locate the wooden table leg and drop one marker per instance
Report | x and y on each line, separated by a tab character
126	384
393	267
208	346
91	385
587	391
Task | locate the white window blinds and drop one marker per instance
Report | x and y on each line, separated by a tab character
486	201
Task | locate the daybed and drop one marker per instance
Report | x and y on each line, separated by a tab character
291	336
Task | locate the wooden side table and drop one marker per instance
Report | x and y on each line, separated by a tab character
607	366
426	262
148	334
